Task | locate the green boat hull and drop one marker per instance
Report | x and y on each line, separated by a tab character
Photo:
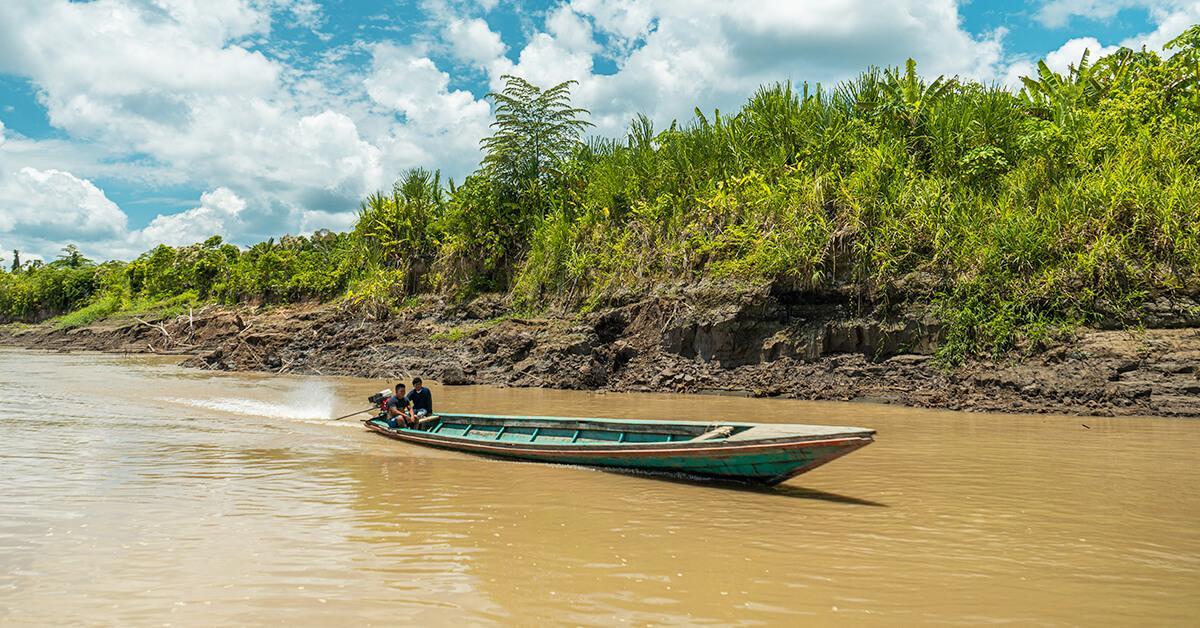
766	454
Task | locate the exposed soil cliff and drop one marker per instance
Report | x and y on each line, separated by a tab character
763	344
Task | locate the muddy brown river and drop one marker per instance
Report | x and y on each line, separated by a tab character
135	492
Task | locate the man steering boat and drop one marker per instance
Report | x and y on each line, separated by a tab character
404	410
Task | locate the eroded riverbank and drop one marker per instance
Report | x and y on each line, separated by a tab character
657	345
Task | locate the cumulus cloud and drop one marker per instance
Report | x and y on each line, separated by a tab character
57	204
1071	53
219	213
41	211
1057	13
170	91
672	56
1171	17
473	41
442	126
414	86
168	79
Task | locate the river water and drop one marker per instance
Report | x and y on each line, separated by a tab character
133	491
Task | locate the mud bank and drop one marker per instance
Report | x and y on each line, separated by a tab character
753	345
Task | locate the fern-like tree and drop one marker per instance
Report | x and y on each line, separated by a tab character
536	132
72	257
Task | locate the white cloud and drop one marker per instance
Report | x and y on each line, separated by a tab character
1071	53
312	220
414	86
564	51
1060	60
442	126
42	211
672	56
306	13
219	213
472	41
627	20
1058	13
174	83
1171	17
57	204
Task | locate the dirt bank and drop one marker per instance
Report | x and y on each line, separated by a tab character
758	344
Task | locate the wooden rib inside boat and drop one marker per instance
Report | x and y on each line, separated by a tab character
749	452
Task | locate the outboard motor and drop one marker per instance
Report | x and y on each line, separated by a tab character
380	399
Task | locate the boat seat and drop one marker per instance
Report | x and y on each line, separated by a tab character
716	432
433	418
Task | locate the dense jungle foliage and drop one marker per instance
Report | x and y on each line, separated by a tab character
1014	214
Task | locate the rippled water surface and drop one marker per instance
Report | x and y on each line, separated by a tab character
136	492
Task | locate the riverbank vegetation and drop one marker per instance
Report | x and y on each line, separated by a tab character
1013	214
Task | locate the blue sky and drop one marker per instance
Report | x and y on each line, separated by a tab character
126	123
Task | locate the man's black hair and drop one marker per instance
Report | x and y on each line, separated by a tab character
400	385
417	381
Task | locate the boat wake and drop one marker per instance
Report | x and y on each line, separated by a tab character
308	401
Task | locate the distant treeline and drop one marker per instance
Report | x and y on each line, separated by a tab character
1014	214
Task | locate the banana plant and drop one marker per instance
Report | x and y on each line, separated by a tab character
1057	96
907	102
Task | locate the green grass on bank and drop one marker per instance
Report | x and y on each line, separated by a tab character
113	307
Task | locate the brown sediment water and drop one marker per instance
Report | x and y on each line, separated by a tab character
135	492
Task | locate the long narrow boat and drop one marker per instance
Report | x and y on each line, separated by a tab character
747	452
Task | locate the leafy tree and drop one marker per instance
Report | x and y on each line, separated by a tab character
1185	67
399	228
71	257
536	131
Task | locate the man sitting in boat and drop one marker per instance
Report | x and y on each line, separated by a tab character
421	400
398	409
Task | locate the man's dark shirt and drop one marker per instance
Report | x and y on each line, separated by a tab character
398	403
421	400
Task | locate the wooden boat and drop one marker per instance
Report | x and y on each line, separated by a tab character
747	452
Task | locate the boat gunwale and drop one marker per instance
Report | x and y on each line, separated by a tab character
780	430
705	447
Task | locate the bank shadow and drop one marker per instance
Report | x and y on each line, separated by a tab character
779	490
